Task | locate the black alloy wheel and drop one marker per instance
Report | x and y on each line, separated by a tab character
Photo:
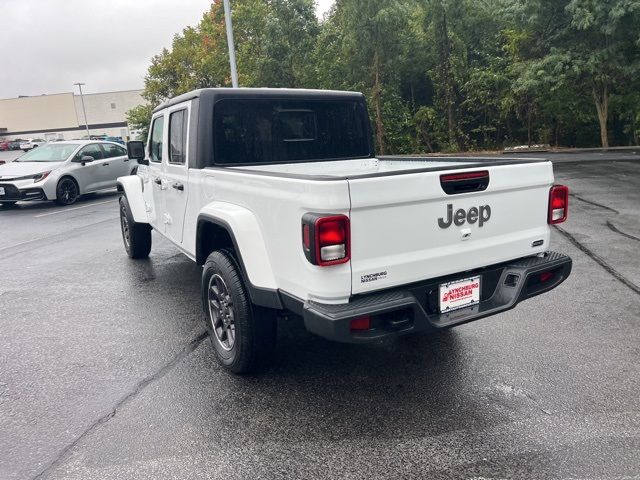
67	192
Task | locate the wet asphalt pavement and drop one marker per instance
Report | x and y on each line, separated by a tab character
106	373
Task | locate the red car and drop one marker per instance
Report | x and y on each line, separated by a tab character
4	145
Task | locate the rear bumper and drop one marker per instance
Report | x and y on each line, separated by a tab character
15	194
414	308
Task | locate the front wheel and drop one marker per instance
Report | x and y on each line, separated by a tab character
135	236
67	191
243	335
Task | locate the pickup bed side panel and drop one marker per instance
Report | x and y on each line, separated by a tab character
132	188
397	239
272	236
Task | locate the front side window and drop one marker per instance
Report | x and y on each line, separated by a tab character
178	137
155	146
111	151
251	131
92	150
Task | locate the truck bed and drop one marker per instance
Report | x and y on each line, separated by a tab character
377	167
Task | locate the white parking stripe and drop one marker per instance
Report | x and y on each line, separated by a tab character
70	209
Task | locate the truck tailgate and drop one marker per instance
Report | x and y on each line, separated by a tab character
396	237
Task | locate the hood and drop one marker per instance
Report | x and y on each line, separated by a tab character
22	169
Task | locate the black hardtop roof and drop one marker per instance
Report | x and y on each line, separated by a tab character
214	94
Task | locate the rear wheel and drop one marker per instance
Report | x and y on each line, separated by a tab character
243	335
67	191
135	236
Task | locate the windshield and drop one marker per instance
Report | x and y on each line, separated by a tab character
49	153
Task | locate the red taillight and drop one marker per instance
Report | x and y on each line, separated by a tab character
306	237
558	204
361	323
325	239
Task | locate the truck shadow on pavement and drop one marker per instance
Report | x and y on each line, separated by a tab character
408	386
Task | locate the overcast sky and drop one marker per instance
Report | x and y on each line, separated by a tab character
48	45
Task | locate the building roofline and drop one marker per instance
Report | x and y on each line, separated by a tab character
72	93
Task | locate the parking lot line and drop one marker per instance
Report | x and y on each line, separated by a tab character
70	209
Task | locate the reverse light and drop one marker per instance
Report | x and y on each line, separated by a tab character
558	204
325	239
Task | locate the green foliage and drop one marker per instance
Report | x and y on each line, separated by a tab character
139	118
439	75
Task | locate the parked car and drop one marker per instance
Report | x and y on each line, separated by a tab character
278	194
15	144
62	171
4	145
31	144
114	139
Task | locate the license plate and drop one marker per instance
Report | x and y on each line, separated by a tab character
1	190
459	294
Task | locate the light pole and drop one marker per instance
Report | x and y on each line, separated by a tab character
86	124
232	48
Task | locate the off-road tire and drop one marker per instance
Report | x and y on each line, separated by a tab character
255	328
135	236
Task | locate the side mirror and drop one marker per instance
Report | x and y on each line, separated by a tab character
84	159
136	151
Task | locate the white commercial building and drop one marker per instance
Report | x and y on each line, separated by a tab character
60	116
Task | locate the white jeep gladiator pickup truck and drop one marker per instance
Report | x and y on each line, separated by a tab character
279	195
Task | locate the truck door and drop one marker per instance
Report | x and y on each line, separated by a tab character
154	184
175	168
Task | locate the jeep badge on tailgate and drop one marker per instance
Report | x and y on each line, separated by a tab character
481	215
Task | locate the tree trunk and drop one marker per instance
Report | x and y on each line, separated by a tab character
377	93
602	107
529	126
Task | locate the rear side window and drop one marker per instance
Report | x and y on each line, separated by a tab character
255	131
178	137
155	146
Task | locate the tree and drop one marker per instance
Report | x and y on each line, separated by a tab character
602	50
139	118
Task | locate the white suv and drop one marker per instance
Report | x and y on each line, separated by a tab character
31	144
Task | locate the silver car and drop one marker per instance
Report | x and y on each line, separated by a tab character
62	171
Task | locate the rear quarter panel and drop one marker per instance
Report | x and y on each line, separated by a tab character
278	205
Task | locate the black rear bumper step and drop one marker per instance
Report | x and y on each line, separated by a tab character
414	308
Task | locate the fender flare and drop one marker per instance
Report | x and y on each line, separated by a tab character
131	186
245	233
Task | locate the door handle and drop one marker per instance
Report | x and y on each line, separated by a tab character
178	186
157	181
126	159
105	164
